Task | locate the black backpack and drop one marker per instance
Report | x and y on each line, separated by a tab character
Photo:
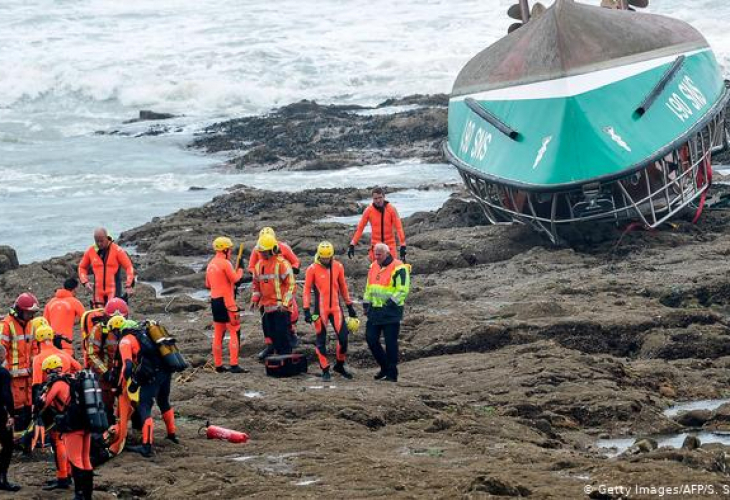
85	410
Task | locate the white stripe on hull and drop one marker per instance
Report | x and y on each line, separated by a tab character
574	85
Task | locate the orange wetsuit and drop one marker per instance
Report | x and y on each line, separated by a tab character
63	311
328	284
221	279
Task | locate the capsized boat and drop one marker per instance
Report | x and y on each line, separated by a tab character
584	114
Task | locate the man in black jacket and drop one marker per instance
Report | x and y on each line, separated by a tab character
6	425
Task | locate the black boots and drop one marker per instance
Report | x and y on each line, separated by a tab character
83	484
143	449
221	369
326	377
237	369
57	484
6	485
173	438
268	351
340	368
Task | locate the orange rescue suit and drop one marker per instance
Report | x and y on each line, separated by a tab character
329	284
78	443
221	279
69	364
384	224
106	271
273	284
62	312
18	343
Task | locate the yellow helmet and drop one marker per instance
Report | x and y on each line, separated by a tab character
267	230
326	250
266	242
52	362
353	325
38	321
43	333
115	322
222	243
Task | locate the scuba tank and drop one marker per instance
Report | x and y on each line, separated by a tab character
215	432
92	401
171	355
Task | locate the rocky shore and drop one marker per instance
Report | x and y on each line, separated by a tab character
517	356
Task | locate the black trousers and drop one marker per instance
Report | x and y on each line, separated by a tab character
276	326
157	390
388	358
6	441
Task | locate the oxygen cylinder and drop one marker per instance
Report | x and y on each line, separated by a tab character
215	432
93	403
171	356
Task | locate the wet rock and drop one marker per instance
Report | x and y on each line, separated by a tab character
147	115
310	136
642	446
8	259
694	418
691	443
498	487
667	391
157	267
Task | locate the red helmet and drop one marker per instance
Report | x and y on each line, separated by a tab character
27	302
116	306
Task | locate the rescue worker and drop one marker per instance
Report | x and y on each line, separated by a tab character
101	348
99	317
326	276
274	287
388	285
384	224
286	252
7	408
221	279
36	323
106	259
44	335
74	431
15	336
143	372
63	311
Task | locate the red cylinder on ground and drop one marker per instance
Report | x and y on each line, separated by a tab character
215	432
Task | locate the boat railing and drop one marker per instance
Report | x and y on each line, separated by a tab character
651	196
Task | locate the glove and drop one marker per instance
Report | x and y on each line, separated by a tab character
351	251
351	311
365	308
307	316
295	270
403	253
133	386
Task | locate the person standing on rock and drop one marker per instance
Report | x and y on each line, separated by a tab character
285	251
106	260
384	224
144	378
326	277
63	311
221	279
388	285
7	406
274	287
45	337
15	334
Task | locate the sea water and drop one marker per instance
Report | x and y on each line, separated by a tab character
69	68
